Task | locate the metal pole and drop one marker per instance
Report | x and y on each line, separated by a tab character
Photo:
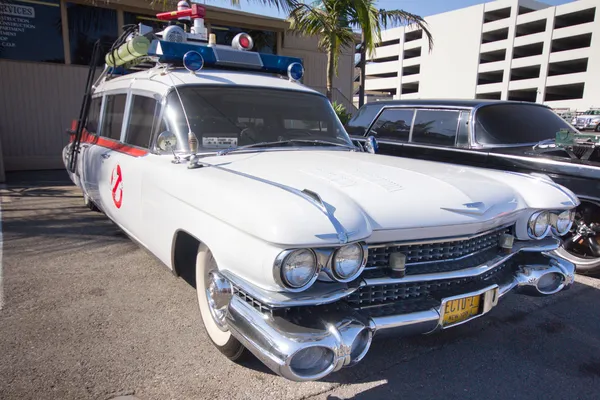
361	88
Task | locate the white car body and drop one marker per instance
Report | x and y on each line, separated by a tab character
249	206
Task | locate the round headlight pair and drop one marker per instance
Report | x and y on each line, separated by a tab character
296	270
542	222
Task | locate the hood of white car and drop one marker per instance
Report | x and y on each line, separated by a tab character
364	192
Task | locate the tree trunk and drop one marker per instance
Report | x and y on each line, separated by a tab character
330	71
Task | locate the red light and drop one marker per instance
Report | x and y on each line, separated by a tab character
244	42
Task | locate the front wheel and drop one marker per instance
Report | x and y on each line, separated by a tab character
582	244
213	307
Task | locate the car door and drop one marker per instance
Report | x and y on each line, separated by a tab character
391	128
133	163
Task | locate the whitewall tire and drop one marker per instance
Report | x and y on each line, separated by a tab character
213	317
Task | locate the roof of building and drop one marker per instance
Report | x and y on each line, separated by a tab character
468	103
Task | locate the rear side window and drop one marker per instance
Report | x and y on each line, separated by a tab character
113	115
517	124
435	127
94	115
141	121
393	124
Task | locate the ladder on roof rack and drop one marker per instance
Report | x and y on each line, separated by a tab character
85	106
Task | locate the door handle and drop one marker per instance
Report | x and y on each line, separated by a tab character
105	155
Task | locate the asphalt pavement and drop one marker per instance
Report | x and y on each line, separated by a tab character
89	315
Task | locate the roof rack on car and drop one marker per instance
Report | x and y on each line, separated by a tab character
184	43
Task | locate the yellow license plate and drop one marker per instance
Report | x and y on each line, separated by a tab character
460	310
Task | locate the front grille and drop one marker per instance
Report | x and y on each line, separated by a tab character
427	290
437	257
250	300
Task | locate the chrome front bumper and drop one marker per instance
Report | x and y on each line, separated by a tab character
344	334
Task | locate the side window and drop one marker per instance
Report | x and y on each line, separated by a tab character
435	127
94	115
359	123
141	121
393	124
113	115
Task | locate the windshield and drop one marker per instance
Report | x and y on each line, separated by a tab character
592	112
512	124
226	117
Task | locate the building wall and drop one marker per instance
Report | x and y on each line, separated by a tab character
450	70
315	65
457	68
39	100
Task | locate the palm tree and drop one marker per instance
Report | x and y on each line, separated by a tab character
333	21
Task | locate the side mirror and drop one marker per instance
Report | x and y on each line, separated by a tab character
166	142
371	145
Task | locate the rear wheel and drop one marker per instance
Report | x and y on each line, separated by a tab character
213	307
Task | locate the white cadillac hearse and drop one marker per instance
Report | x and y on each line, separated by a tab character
302	246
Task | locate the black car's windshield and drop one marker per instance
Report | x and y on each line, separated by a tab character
229	117
513	124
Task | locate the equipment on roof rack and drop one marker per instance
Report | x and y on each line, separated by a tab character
143	48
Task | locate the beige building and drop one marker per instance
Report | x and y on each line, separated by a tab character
45	50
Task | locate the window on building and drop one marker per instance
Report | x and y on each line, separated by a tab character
141	121
87	24
94	115
113	116
435	127
31	31
393	124
130	18
264	41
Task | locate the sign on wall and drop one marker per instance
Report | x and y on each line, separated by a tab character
31	30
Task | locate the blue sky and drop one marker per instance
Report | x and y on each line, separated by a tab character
419	7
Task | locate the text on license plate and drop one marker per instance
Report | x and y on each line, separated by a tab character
459	310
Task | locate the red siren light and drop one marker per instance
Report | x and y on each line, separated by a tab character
242	41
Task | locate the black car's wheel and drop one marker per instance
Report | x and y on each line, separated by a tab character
582	244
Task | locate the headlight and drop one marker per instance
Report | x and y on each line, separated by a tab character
561	223
347	262
296	269
539	225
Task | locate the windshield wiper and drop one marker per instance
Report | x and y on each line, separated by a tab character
269	144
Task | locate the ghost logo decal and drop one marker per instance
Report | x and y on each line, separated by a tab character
116	183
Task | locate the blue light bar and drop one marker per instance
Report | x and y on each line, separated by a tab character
217	56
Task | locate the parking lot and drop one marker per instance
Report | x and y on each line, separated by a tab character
88	314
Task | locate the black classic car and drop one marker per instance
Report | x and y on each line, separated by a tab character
508	135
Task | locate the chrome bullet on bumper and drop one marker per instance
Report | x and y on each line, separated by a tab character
324	339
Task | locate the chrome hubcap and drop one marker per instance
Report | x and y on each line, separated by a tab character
218	294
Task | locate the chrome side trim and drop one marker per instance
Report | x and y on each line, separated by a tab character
544	245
